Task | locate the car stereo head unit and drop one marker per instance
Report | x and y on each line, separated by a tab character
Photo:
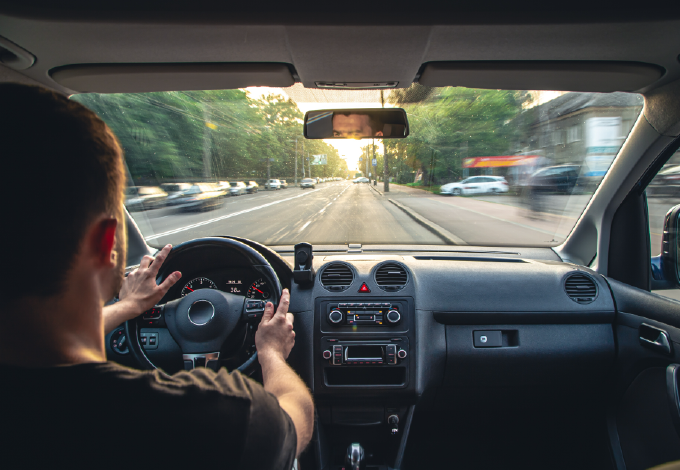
387	352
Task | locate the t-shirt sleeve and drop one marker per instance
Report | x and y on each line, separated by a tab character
271	440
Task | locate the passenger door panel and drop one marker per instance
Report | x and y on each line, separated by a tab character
642	411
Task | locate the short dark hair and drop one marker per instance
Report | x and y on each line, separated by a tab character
62	167
373	121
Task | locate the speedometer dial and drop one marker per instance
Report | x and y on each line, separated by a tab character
258	290
198	283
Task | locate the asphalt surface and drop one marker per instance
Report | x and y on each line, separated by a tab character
332	213
342	213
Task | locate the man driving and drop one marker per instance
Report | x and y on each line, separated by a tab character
355	126
64	405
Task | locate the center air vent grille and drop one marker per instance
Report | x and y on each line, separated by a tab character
337	277
391	277
581	288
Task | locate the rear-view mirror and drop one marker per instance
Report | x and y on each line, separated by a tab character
368	123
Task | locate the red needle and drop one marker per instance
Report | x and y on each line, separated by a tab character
258	290
190	289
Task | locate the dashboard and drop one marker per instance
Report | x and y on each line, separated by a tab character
381	334
238	281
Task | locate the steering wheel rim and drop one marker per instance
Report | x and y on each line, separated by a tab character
254	258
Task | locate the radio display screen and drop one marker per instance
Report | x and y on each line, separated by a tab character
359	353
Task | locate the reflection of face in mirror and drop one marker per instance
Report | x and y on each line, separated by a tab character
355	126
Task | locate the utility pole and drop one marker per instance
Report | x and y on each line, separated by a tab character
207	154
366	174
303	160
269	173
309	164
386	171
296	157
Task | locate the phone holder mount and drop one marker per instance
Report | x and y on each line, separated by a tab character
303	274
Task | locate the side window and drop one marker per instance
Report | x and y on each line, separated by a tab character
663	193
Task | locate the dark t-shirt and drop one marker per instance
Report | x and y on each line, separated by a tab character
109	416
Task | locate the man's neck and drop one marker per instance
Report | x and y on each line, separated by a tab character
63	330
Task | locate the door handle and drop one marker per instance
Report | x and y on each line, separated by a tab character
655	338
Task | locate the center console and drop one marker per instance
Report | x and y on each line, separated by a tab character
364	376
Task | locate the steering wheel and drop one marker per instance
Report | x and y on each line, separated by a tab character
203	322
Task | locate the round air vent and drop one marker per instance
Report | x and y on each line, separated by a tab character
391	277
337	277
581	288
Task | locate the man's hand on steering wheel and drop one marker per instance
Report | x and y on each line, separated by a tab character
139	291
275	336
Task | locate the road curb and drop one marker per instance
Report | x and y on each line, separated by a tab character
375	189
438	230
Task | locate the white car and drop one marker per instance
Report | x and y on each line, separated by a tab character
274	184
476	185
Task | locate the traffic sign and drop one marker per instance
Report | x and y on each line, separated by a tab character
375	162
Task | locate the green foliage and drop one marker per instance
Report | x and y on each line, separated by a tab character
452	124
209	136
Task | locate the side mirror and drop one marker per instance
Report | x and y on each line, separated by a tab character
666	266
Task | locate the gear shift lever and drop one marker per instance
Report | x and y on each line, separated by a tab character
355	457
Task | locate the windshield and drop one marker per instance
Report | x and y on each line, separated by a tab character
524	163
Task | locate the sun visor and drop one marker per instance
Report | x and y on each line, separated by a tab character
140	78
587	76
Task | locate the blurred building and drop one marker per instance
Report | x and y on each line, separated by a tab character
587	129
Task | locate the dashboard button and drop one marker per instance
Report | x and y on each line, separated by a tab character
402	354
391	353
335	316
327	354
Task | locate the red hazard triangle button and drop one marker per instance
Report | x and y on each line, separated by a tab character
364	288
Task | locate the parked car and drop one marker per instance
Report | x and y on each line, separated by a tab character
307	183
559	179
204	196
284	185
476	185
141	198
274	184
175	192
237	188
252	187
361	179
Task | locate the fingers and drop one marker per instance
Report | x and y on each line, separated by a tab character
290	318
160	258
146	262
268	312
284	302
170	281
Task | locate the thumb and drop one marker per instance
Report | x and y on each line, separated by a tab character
268	312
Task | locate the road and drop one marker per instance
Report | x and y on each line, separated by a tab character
333	213
342	213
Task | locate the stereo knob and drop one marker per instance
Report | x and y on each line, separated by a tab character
401	354
335	316
327	354
393	316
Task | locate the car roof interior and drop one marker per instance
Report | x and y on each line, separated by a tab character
84	47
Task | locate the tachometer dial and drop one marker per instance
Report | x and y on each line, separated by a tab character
198	283
258	290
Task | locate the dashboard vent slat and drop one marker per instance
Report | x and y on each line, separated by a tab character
337	277
391	277
581	288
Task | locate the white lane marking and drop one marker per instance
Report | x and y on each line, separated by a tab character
304	226
217	219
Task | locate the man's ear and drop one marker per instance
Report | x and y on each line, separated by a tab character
103	241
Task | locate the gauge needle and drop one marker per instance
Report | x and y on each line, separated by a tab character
190	289
258	290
